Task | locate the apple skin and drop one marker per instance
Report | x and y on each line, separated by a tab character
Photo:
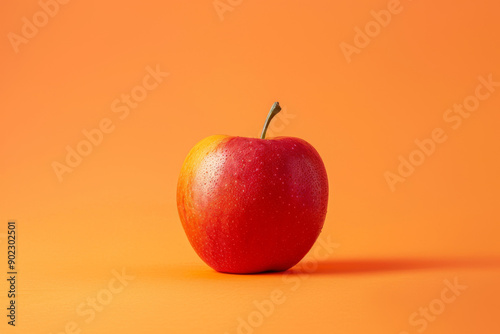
252	205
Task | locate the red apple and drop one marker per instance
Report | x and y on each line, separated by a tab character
251	205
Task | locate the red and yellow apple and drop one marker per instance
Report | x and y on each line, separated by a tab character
252	205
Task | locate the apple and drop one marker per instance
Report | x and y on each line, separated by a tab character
251	205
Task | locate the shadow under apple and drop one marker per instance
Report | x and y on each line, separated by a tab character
367	265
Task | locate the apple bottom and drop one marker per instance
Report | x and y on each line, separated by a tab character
275	254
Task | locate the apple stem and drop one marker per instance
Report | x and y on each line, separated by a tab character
275	109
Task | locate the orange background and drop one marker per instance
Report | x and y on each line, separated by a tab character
117	208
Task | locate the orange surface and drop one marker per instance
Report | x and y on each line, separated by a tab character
156	77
